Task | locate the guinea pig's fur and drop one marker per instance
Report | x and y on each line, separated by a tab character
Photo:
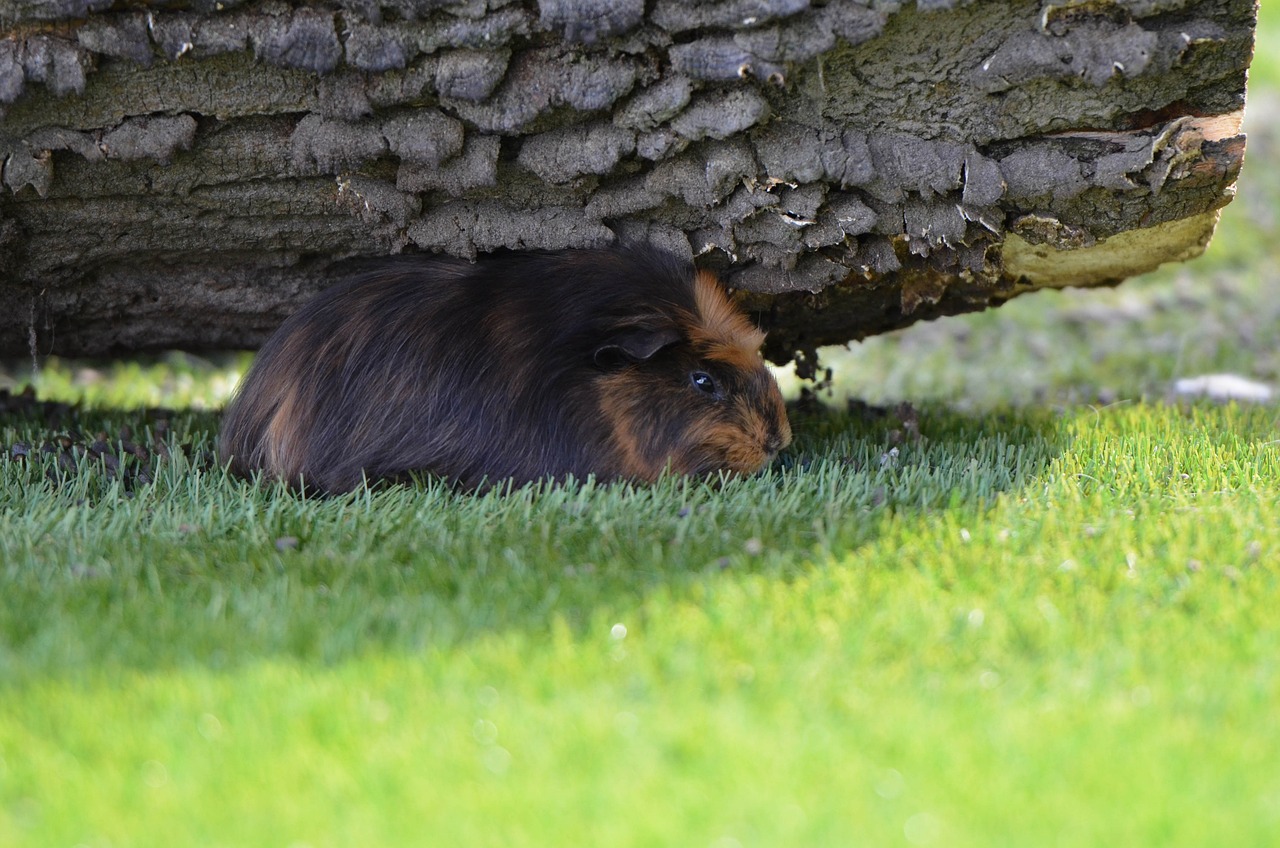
618	363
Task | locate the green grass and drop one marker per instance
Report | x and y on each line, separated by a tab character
1054	620
1026	629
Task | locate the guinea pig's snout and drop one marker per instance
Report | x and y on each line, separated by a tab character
777	437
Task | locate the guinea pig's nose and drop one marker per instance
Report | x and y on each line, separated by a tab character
773	444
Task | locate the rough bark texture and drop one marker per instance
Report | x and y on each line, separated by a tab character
187	173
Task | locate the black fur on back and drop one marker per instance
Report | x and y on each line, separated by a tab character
475	372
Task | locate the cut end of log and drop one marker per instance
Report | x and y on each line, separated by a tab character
1127	254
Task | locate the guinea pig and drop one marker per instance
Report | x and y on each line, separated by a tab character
619	363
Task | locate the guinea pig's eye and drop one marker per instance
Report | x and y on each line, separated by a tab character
703	382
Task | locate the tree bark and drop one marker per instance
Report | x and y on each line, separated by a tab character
188	173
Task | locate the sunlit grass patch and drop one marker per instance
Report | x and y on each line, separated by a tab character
176	380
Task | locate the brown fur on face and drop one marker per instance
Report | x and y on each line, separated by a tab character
725	335
739	432
720	327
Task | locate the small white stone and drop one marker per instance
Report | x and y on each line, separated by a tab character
1224	387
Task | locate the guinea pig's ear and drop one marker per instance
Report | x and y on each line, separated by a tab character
635	344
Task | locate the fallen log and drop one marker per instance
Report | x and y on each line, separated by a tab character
187	174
